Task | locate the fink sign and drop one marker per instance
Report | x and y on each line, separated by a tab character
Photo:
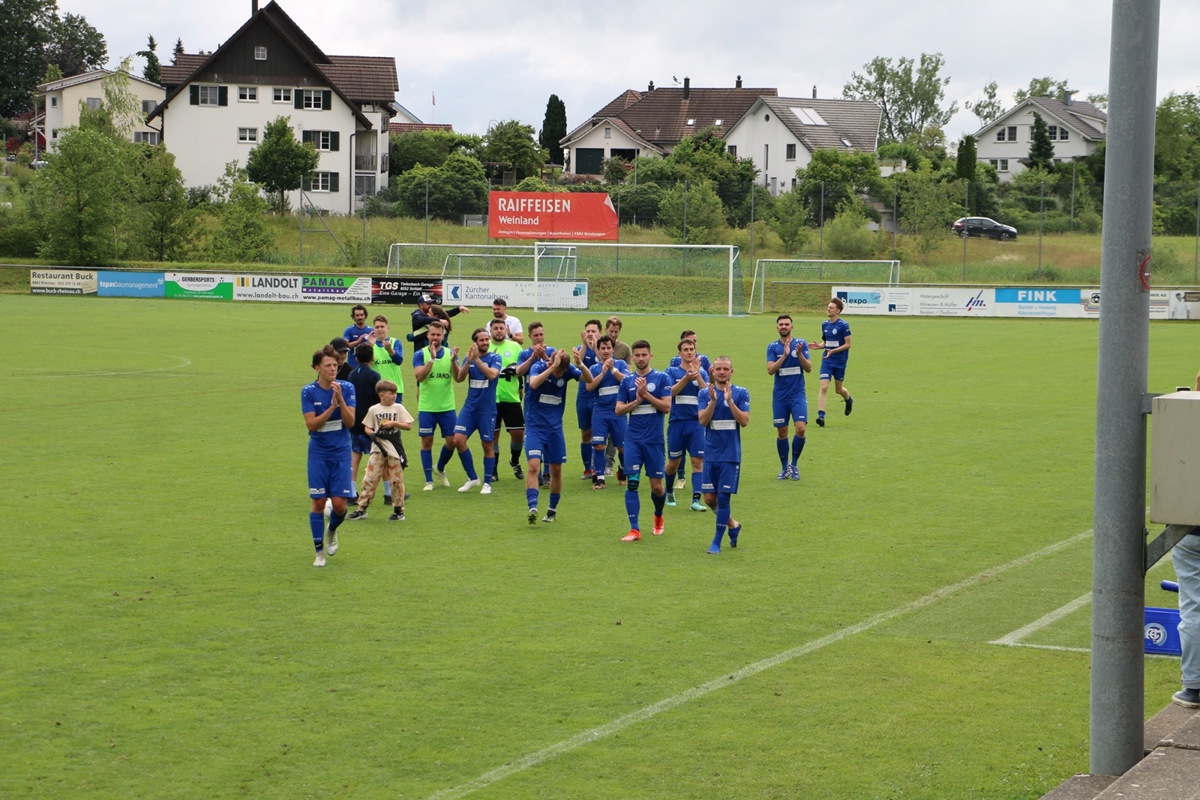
552	215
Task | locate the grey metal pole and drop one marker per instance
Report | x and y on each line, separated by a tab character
1196	253
1118	591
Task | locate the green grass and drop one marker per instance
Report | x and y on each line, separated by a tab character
165	635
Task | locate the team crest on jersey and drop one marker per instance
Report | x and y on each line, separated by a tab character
650	387
560	382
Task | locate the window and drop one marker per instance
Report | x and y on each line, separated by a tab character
260	54
733	150
247	94
314	99
93	103
691	121
608	133
145	137
1008	134
766	156
328	141
282	96
53	102
209	95
718	122
1062	135
321	182
790	152
1003	167
54	133
148	106
247	134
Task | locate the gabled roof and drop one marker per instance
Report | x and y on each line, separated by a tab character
87	77
852	125
1080	115
397	128
663	117
355	79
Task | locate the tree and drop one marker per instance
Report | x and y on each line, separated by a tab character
639	204
1041	87
153	70
1041	149
427	148
75	46
554	128
510	145
163	222
692	213
909	94
280	162
25	32
790	222
928	206
242	235
704	156
178	51
965	170
459	186
988	108
848	236
834	178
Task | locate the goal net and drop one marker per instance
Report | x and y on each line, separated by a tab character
781	283
620	277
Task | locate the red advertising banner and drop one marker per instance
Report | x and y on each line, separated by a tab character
551	215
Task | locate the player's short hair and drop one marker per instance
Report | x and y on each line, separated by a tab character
478	331
684	341
605	338
687	335
359	307
365	353
614	320
499	301
788	317
837	301
640	344
497	321
320	355
535	325
439	324
599	325
381	318
386	386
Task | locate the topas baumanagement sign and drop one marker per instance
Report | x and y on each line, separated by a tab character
552	215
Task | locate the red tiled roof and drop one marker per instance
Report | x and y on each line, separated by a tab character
397	128
363	78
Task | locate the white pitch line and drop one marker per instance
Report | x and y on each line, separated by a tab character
750	670
1020	634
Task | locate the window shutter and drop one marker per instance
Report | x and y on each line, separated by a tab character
334	139
333	181
298	98
195	93
306	137
326	100
222	95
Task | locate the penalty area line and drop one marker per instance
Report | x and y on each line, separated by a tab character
647	712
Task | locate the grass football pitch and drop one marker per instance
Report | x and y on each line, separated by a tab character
165	635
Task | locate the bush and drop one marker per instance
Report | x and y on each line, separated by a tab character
19	238
847	235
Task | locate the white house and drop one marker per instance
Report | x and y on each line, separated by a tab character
1076	128
217	106
780	134
62	99
653	122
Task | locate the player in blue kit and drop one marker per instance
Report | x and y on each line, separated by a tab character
680	480
604	383
328	408
480	369
584	356
684	434
835	342
645	395
545	442
724	411
787	360
537	351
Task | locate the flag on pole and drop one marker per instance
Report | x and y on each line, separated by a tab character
434	98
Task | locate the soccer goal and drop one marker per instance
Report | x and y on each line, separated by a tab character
778	281
622	277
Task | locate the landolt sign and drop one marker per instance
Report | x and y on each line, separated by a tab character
552	215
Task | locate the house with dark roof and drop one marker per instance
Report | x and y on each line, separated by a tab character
780	134
653	122
62	100
218	104
1076	129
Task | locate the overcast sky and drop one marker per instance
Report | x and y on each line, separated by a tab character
488	61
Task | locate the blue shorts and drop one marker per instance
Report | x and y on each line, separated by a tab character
606	426
360	443
470	420
645	458
429	421
547	445
583	411
795	407
329	476
720	477
685	435
835	371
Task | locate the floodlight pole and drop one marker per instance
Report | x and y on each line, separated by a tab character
1118	551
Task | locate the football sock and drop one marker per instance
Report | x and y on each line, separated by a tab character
444	458
554	497
633	507
468	462
722	517
659	500
797	448
781	447
336	519
585	455
427	465
670	480
697	480
489	465
598	462
514	453
316	521
531	498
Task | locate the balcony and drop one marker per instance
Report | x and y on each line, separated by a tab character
364	162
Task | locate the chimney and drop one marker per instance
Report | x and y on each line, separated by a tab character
687	87
650	88
738	85
253	7
814	91
1067	97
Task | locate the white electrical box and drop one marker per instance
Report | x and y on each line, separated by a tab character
1175	459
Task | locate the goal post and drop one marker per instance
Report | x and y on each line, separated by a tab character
774	275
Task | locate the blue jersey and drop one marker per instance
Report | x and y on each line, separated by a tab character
705	364
350	334
332	438
683	405
589	358
524	355
606	391
789	378
835	334
544	404
481	391
723	436
645	421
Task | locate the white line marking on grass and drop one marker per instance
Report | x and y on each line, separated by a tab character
183	364
748	671
1020	634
